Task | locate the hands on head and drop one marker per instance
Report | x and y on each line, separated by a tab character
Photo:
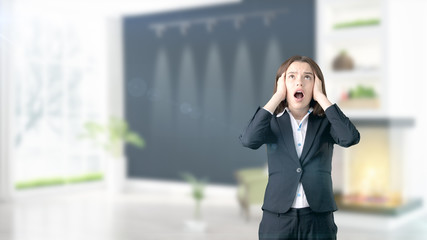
281	86
317	88
318	94
281	89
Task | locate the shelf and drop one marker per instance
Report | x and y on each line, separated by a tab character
354	74
355	33
363	44
340	5
364	113
361	103
384	122
376	118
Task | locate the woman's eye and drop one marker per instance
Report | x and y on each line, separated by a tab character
308	77
291	76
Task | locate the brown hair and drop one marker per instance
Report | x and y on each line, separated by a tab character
317	109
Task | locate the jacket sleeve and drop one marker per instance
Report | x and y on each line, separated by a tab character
258	130
343	132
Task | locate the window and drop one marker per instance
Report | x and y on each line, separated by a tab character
58	84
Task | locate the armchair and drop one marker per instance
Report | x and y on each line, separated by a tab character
251	184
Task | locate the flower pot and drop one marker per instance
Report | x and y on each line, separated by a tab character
116	175
361	103
343	62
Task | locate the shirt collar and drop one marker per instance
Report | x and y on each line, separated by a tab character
287	109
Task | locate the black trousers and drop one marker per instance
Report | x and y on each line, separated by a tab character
297	224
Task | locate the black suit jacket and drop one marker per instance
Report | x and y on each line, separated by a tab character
312	169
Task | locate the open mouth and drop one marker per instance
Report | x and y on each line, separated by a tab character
299	95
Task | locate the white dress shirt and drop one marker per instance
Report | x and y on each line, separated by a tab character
299	130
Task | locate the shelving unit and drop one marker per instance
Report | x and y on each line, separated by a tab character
363	44
370	174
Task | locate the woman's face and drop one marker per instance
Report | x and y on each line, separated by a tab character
299	85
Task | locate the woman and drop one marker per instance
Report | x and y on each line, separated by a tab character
300	126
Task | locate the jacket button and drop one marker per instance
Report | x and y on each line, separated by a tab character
299	170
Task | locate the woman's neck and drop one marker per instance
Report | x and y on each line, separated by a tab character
298	114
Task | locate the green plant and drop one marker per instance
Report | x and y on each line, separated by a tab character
198	188
85	177
112	136
362	92
54	181
41	182
357	23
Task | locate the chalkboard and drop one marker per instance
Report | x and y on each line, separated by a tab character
194	78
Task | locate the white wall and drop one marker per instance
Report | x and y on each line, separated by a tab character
407	83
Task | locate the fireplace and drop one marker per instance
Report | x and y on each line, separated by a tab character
373	176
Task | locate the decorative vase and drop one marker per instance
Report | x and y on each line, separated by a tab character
343	62
116	175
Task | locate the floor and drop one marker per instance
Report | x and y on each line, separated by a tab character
99	215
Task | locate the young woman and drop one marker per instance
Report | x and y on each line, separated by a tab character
300	126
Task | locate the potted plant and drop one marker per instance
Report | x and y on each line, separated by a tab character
360	97
111	137
198	193
343	61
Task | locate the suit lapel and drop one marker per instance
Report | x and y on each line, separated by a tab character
284	123
312	127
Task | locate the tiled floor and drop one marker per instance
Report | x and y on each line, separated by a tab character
96	215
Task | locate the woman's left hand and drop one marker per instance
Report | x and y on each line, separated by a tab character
318	94
317	89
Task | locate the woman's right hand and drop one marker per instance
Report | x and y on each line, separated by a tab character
277	97
281	87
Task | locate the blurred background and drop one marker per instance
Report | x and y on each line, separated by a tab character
120	119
